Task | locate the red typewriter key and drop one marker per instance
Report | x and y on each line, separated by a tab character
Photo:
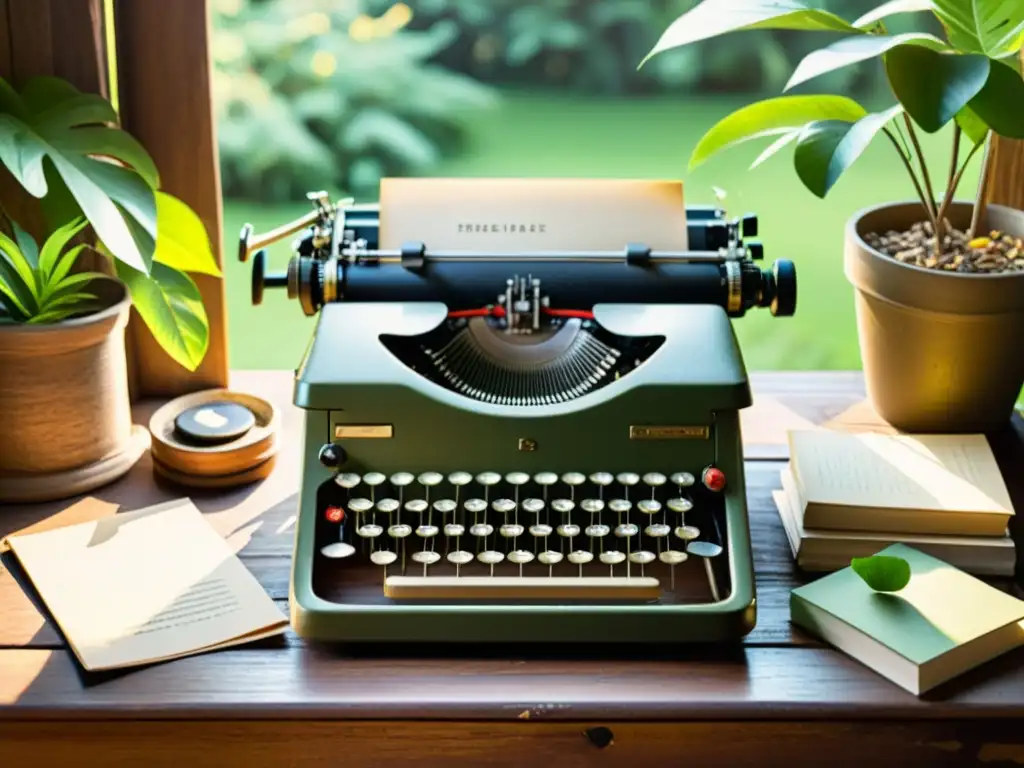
714	479
334	514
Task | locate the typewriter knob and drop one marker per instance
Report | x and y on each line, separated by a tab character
260	278
749	225
756	250
784	272
331	456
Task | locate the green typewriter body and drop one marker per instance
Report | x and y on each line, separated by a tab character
525	470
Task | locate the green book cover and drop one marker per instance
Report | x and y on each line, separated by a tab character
942	623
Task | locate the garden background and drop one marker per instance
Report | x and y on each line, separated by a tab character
335	94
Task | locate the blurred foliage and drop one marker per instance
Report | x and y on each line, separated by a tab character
316	94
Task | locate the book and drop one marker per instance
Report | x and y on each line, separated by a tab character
897	483
150	585
831	550
942	624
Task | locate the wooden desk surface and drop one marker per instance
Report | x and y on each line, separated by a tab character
778	697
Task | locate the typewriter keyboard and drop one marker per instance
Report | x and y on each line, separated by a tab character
519	536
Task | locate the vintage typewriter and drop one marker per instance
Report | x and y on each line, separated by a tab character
529	446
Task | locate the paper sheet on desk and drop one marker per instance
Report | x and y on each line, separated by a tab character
145	586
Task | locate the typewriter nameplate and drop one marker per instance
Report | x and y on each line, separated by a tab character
668	433
359	431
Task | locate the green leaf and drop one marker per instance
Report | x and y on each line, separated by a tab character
882	573
18	274
53	121
827	148
10	300
73	281
893	7
182	241
973	127
772	117
55	243
61	269
992	27
27	244
172	308
1000	103
934	86
851	50
712	18
780	143
73	302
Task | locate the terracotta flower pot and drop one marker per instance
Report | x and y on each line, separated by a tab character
64	390
942	351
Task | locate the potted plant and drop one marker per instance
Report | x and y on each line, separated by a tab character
938	282
63	373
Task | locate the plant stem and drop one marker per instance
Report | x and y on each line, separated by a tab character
924	167
979	201
913	176
951	182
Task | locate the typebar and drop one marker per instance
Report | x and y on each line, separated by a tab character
521	588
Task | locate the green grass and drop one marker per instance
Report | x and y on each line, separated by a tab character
531	135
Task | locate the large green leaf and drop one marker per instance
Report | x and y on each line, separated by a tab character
1000	103
934	86
892	8
171	306
50	120
828	147
772	117
18	274
712	18
992	27
182	242
55	244
973	127
851	50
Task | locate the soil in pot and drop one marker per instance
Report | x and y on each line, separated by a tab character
988	253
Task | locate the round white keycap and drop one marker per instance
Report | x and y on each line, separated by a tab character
360	505
593	506
444	506
427	531
475	505
574	478
562	506
387	506
643	557
488	478
373	478
545	478
657	530
481	529
454	529
654	479
347	480
597	531
426	557
430	479
626	530
550	557
682	479
680	505
383	557
533	506
510	530
602	478
460	557
649	506
687	532
580	556
402	479
540	530
619	506
517	478
417	506
338	550
503	506
399	531
672	557
612	557
569	529
370	531
490	557
628	478
704	549
460	478
520	556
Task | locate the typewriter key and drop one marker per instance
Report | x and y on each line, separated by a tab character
657	530
338	550
545	479
347	480
563	506
707	550
550	558
370	531
460	478
687	532
517	478
602	479
402	479
619	506
682	479
360	505
459	558
533	506
383	557
568	530
626	530
373	479
503	506
628	479
520	557
454	529
387	506
641	558
430	479
611	559
672	558
654	479
511	530
427	557
597	531
416	506
444	506
680	505
399	531
580	557
488	479
427	531
481	529
491	558
593	506
573	479
540	530
476	506
649	506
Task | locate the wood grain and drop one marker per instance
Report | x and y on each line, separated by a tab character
475	744
164	89
1006	171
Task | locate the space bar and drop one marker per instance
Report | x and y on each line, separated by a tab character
521	588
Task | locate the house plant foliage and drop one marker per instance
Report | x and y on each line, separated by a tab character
939	281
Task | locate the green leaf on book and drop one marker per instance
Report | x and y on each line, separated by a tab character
882	573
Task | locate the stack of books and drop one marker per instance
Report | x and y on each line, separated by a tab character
847	494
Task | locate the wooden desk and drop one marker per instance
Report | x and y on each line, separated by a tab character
779	698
